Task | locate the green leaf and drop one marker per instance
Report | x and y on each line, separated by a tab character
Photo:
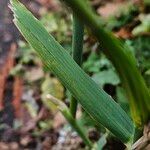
96	63
94	100
93	63
106	77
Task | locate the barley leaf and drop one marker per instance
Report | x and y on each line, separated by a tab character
102	108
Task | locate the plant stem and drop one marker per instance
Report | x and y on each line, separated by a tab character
73	122
77	48
77	127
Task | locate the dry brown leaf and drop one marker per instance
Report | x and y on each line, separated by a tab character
110	9
123	33
34	74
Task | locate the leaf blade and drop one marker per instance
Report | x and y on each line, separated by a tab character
93	99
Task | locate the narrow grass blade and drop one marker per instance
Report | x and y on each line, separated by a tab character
94	100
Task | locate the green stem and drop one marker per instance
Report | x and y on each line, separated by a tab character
77	127
73	122
77	48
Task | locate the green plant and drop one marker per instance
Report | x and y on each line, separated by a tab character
97	103
137	92
77	47
70	118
